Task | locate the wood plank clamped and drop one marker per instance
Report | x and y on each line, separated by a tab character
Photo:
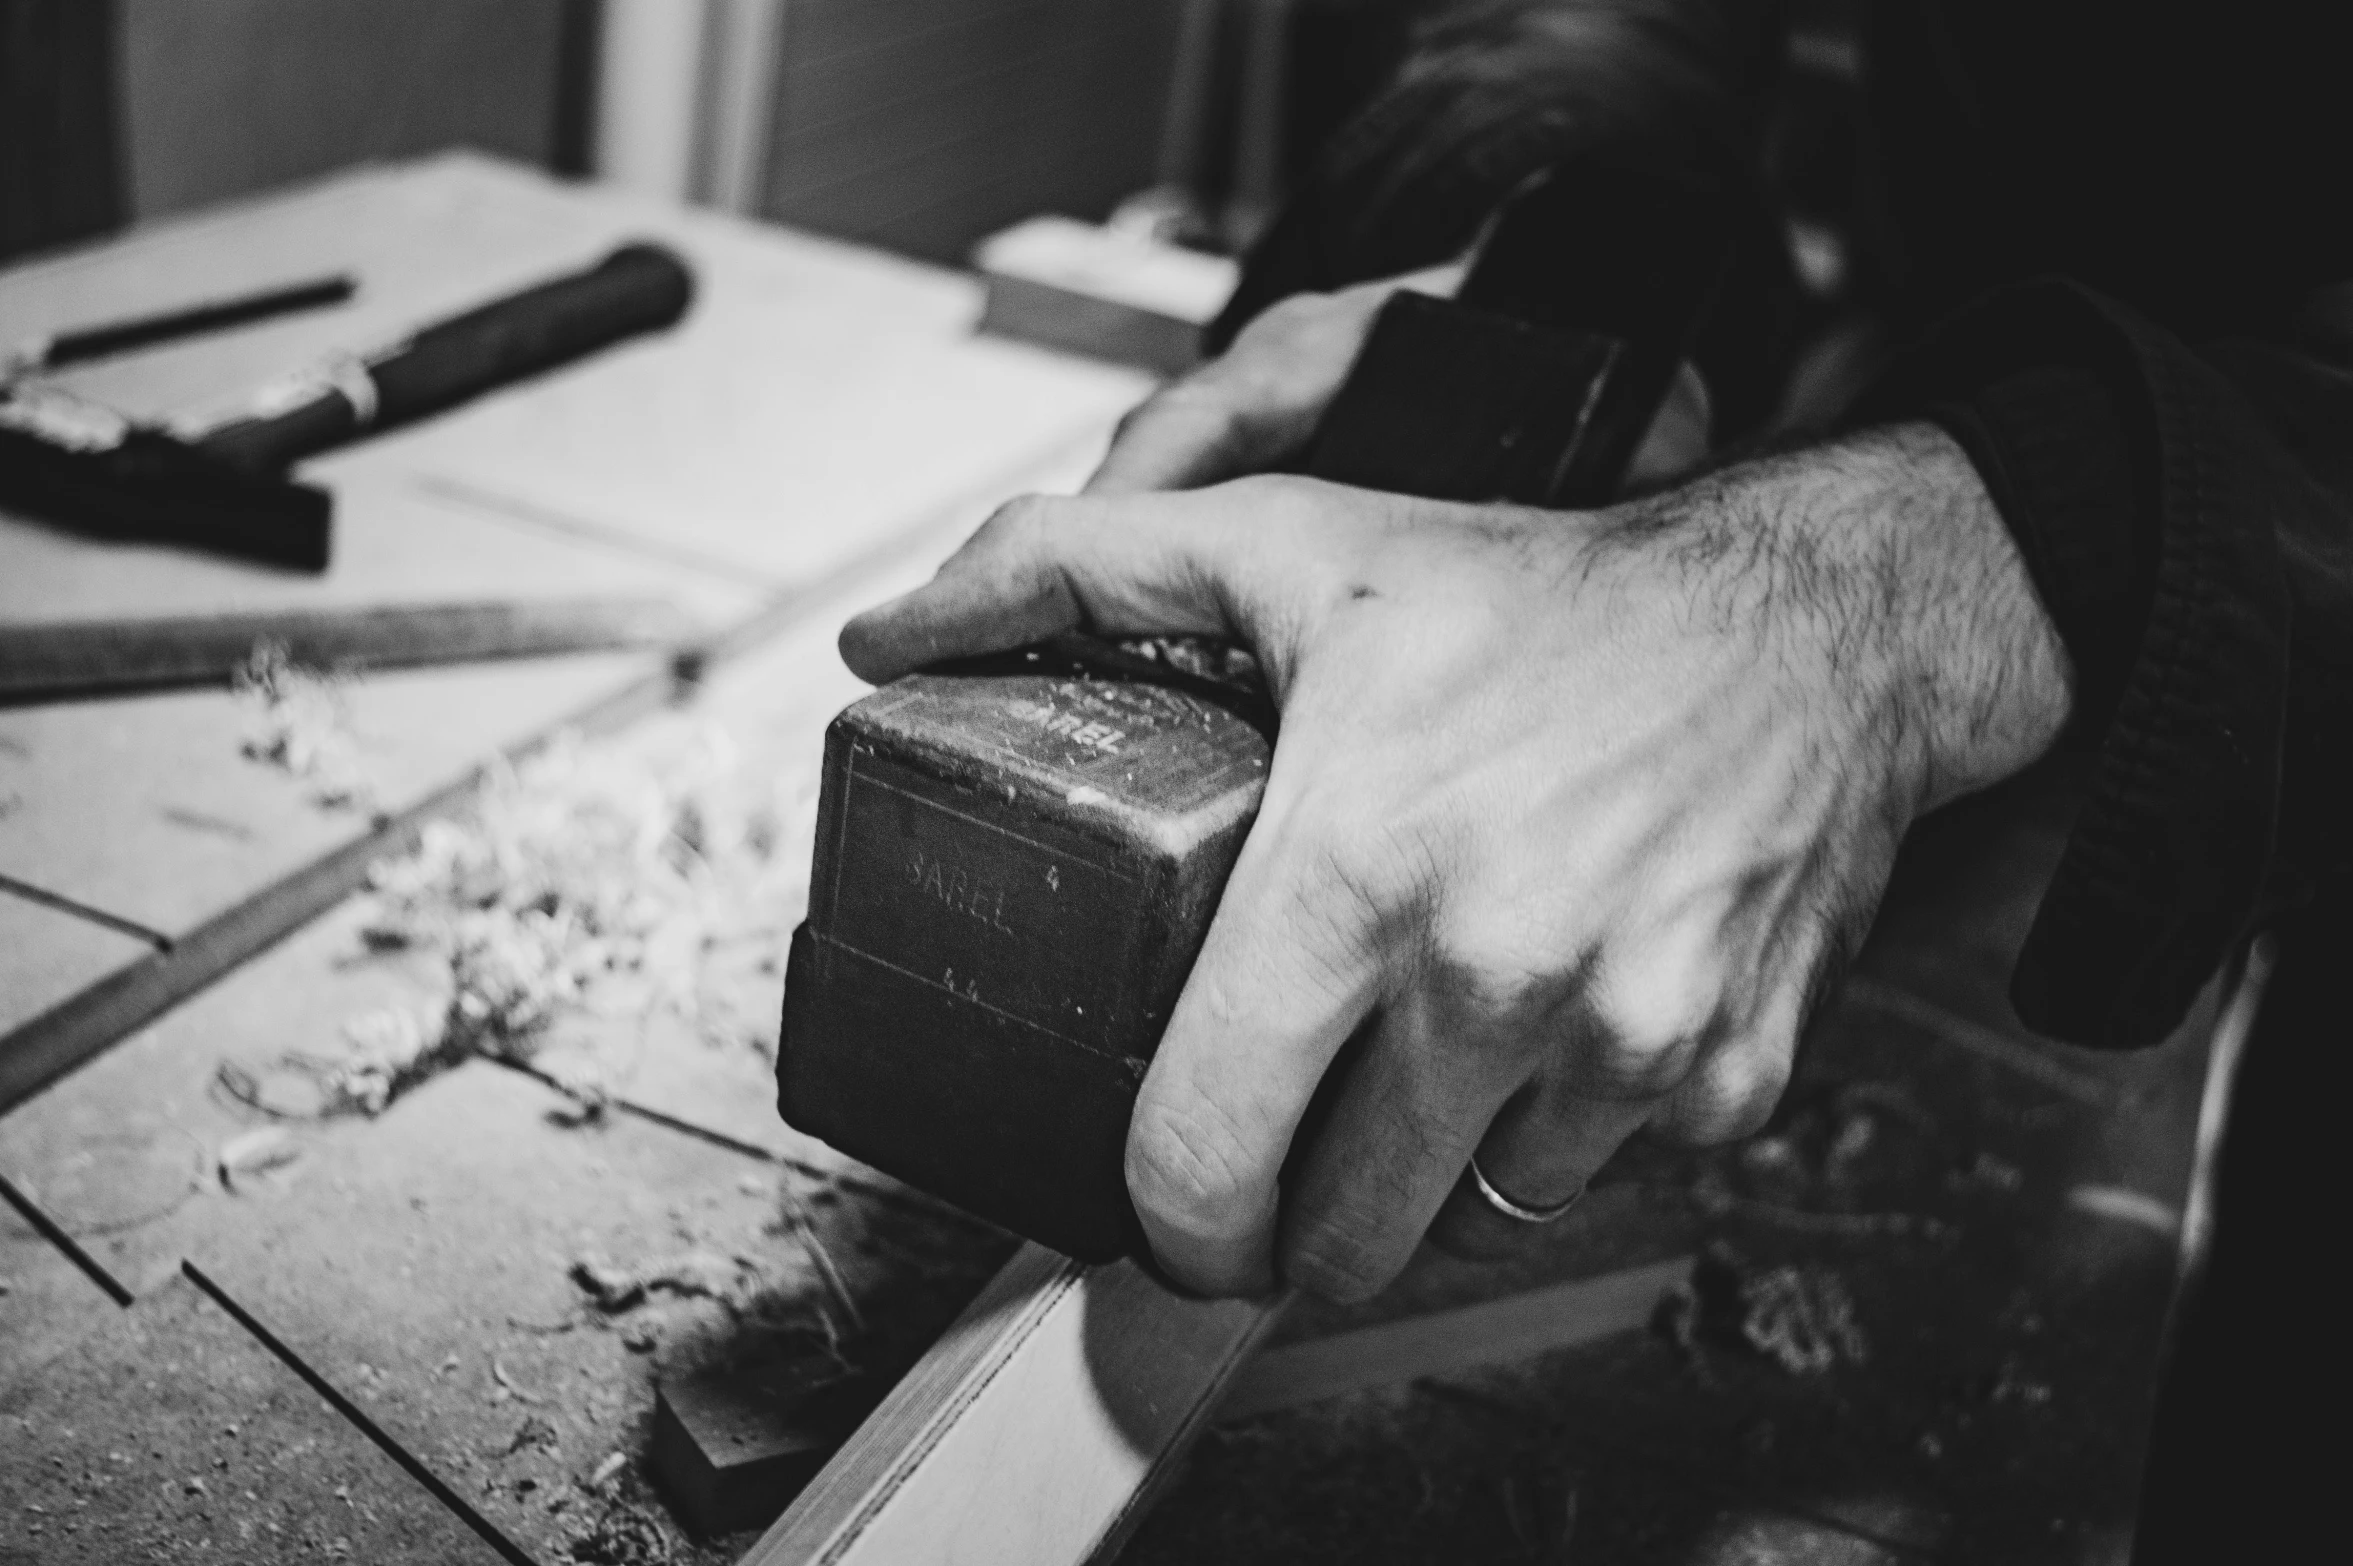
1018	856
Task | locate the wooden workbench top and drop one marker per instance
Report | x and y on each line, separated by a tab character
2000	1215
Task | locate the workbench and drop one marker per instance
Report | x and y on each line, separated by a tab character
2002	1217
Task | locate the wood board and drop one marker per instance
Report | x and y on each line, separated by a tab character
422	1260
169	1435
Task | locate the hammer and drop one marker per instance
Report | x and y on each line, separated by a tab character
225	489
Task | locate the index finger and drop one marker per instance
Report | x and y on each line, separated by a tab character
1289	969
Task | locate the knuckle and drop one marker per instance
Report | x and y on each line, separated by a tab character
1358	878
1652	1027
1644	1053
1288	318
1732	1099
1204	397
1500	964
1282	500
1188	1173
1017	523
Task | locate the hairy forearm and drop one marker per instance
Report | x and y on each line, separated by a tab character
1880	560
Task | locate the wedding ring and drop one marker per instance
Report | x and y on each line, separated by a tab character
1513	1210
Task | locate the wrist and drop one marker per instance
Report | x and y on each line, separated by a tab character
1879	566
1977	662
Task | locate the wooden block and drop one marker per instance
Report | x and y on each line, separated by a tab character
1038	1428
730	1449
1093	290
1016	864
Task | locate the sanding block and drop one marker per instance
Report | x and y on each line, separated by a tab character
1018	856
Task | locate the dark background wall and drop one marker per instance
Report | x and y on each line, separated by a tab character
224	97
919	125
61	166
922	125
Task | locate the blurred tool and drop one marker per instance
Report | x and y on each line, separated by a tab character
49	662
224	488
56	351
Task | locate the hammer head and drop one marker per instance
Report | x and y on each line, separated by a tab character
79	468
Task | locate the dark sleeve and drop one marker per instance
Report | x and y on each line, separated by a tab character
2187	516
1491	92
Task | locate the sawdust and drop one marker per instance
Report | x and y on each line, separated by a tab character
298	720
534	1434
621	1533
1203	657
586	882
1803	1319
696	1274
251	1154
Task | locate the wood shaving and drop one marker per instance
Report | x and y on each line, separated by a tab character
298	721
253	1153
586	881
621	1533
695	1274
1802	1318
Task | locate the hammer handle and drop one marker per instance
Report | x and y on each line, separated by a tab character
638	288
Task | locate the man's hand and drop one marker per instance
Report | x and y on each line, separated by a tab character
1255	406
1572	816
